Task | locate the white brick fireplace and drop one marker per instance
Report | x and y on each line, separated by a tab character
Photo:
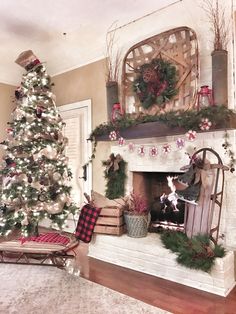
147	254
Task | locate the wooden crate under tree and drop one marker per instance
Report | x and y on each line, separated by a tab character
110	221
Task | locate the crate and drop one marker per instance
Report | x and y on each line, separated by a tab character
110	221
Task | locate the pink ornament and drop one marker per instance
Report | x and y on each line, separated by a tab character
141	151
180	142
113	136
121	141
191	135
131	147
205	124
153	151
166	148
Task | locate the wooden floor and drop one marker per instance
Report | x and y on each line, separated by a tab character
161	293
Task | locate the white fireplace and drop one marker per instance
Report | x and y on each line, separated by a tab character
147	254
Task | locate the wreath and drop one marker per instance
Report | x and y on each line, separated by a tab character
156	83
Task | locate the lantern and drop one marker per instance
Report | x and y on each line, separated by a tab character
204	97
117	112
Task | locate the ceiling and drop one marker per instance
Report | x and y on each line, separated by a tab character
63	33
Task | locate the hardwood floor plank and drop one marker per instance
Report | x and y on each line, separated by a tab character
167	295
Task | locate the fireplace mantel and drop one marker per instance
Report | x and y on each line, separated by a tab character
153	129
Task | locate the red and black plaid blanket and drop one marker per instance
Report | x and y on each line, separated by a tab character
87	222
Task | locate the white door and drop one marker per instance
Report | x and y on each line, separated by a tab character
77	117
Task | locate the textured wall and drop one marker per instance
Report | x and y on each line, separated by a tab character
6	104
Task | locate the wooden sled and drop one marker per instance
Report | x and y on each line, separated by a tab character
38	253
204	218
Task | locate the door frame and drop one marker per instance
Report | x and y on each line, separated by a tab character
78	105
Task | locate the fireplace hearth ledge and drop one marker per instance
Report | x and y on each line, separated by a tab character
148	255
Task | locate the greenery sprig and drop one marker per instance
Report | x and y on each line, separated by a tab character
228	151
195	253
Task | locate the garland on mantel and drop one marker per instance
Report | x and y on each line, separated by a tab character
218	116
190	120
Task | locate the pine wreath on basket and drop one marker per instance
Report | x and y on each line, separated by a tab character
156	83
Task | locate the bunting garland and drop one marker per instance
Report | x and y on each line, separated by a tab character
151	150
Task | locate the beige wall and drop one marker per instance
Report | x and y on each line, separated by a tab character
87	82
6	105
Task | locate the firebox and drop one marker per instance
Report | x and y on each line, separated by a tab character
153	186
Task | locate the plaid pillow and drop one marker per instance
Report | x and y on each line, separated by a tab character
87	222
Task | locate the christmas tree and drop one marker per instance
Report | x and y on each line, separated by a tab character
34	171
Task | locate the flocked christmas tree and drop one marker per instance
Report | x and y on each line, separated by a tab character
34	171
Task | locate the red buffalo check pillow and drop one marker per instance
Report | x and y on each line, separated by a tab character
87	221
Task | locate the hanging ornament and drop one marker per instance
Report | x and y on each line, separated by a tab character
131	147
18	114
180	142
56	176
36	185
42	197
166	148
121	141
22	177
9	131
191	135
113	136
39	111
153	151
141	151
19	93
205	124
25	221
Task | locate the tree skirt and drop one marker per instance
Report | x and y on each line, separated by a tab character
47	290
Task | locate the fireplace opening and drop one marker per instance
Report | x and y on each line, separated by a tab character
153	186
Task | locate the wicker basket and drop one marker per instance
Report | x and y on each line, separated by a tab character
137	225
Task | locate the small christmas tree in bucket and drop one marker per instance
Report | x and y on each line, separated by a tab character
34	171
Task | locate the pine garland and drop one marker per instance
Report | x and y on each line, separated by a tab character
195	253
186	119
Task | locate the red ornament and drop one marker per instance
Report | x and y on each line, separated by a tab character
9	130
